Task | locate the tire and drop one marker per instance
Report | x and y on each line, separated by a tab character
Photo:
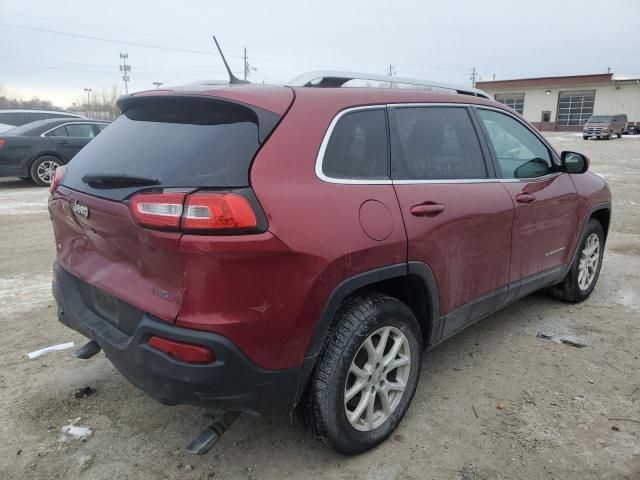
575	287
619	135
609	135
585	138
43	169
323	409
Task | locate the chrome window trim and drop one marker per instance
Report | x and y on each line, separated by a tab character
44	134
325	141
346	181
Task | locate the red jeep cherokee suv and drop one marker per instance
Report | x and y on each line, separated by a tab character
259	248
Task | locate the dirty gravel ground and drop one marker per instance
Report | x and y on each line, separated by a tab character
557	399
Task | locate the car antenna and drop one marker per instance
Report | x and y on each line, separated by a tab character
232	77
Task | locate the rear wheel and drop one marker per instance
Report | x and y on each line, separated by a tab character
583	275
619	135
366	375
43	170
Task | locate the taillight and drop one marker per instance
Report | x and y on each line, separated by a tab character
2	142
212	211
158	209
185	352
201	211
57	178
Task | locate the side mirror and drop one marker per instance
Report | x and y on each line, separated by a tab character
573	162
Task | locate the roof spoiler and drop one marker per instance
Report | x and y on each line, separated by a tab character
333	78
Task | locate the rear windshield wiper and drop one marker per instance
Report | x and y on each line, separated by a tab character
118	181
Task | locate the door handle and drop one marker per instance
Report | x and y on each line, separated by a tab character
62	142
427	209
525	198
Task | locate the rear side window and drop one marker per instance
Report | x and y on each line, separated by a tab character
357	148
436	143
181	142
58	132
82	130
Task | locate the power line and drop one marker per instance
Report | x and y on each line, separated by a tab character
109	40
203	52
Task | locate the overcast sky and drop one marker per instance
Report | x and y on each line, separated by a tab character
439	40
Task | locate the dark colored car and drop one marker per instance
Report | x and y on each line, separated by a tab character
632	130
36	149
259	248
12	118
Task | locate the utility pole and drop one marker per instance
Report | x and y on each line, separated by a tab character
391	71
125	69
246	63
158	84
474	75
247	66
88	90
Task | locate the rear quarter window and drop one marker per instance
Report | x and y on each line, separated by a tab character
357	148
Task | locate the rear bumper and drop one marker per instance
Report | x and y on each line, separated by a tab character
232	382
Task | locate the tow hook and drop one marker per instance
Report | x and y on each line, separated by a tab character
212	434
88	350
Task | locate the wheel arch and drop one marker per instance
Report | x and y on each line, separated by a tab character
600	212
412	283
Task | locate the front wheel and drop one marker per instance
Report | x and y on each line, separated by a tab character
584	272
43	170
366	375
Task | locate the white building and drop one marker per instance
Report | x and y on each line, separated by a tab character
565	103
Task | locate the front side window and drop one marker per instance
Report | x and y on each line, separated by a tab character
358	147
436	143
513	100
81	130
519	152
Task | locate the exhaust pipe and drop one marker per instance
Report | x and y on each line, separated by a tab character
88	350
212	434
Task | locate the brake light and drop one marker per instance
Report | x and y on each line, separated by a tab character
2	142
202	211
158	209
185	352
212	211
57	178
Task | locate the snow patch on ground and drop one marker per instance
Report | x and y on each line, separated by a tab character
24	201
73	431
21	293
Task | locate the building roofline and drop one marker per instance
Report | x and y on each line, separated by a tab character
596	78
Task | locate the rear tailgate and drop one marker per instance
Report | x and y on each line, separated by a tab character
184	143
109	251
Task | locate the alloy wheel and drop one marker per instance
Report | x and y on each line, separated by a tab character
46	171
589	259
377	378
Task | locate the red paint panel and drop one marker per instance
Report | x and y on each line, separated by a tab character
544	229
468	245
108	250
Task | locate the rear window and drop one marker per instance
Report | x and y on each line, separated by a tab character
181	142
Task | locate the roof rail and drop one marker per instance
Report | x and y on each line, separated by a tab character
334	78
